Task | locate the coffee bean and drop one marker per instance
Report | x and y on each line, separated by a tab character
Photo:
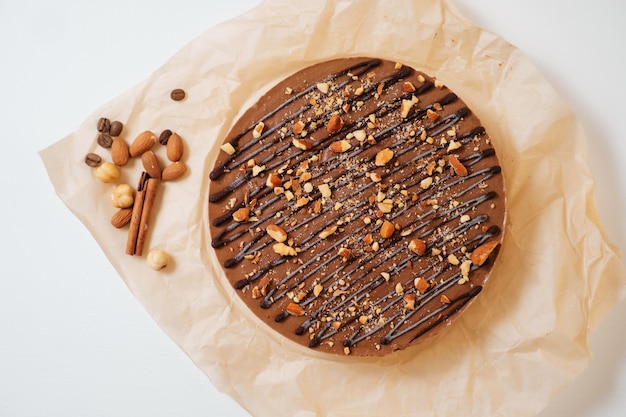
93	159
165	136
105	140
103	125
177	94
116	128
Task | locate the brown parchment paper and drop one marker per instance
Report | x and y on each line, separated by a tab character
524	338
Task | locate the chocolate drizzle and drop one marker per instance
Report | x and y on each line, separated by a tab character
369	301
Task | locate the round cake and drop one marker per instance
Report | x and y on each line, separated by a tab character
357	207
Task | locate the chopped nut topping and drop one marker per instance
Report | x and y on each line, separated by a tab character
317	290
277	233
334	124
409	301
273	180
408	87
295	309
301	144
406	106
298	127
426	182
323	87
359	135
340	146
453	259
284	250
383	157
325	190
444	299
228	148
457	166
258	129
256	170
241	215
481	253
418	246
387	229
454	145
344	253
432	115
421	285
330	230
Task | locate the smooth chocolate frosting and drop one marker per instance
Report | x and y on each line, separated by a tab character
357	207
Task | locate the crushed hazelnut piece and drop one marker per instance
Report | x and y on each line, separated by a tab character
387	229
330	230
258	129
295	309
277	233
426	182
340	146
284	250
421	285
418	246
323	87
334	124
383	157
408	87
241	215
432	115
301	144
228	148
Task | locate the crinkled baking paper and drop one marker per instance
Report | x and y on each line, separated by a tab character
525	337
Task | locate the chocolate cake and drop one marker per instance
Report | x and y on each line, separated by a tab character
357	207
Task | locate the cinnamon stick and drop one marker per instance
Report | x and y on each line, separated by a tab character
150	195
135	219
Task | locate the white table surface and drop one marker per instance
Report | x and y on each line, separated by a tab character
74	341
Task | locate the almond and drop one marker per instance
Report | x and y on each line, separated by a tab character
444	299
276	232
151	164
334	124
119	152
387	229
481	253
174	171
175	148
457	166
143	142
122	217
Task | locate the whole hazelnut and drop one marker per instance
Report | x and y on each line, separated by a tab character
123	196
107	172
157	259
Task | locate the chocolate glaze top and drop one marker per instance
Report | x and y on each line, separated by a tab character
357	207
